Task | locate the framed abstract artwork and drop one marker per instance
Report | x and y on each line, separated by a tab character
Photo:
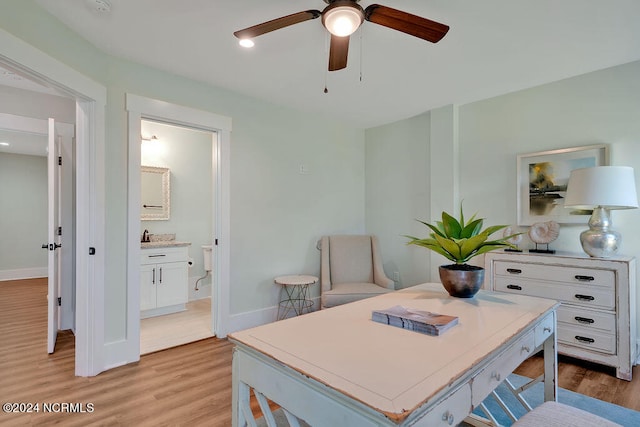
542	182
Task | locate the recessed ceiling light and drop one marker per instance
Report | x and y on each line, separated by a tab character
5	144
246	43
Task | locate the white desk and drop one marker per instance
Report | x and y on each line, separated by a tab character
346	370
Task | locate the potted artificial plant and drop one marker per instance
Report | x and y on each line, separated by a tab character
459	242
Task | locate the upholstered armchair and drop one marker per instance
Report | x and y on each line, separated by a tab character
351	270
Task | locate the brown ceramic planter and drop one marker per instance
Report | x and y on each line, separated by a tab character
461	280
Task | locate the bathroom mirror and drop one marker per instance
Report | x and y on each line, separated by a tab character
155	193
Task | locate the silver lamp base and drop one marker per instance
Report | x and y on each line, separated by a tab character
600	241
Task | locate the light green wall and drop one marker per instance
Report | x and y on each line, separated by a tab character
477	163
397	193
23	211
602	107
277	214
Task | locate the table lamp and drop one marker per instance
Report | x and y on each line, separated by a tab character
601	188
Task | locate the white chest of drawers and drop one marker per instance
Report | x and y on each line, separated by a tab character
597	318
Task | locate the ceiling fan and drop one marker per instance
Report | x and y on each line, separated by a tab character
343	17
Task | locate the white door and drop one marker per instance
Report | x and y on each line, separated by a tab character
53	242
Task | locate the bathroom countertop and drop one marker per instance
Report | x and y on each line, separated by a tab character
164	244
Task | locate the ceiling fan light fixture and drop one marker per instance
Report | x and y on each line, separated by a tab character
342	21
248	43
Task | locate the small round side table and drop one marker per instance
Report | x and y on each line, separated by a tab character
296	294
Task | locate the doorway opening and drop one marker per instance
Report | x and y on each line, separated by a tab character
140	272
37	157
177	220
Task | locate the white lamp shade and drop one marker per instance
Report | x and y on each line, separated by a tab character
612	187
342	21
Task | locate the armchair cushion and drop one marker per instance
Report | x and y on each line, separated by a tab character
351	269
343	293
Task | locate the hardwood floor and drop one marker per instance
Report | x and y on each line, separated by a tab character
590	379
187	385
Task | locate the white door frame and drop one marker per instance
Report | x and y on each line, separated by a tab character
90	99
139	108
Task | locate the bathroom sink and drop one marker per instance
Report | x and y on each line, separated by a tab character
164	244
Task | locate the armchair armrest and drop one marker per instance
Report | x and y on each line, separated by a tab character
325	270
379	276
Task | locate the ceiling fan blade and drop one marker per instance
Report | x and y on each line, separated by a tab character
338	52
276	24
406	22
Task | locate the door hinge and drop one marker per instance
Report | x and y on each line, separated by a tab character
59	301
92	251
60	231
216	242
59	160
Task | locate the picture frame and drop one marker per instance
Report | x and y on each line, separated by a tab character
155	193
542	179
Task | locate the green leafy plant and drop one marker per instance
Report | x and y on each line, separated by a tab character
459	241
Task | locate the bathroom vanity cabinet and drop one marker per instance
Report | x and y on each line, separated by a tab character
164	275
597	318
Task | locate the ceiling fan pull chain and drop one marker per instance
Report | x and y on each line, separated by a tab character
326	52
361	49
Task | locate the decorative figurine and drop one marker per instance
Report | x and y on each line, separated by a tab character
543	233
515	240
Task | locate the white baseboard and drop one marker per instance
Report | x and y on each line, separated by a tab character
120	353
251	319
23	273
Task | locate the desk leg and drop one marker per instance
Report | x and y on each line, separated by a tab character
550	368
241	414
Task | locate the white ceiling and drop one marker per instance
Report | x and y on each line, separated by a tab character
493	47
23	143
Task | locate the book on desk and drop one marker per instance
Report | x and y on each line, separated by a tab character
421	321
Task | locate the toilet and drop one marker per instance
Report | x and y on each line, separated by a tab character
206	253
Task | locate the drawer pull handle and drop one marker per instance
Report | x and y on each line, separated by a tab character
584	319
585	339
546	329
514	270
496	376
448	417
516	287
585	278
156	256
584	297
